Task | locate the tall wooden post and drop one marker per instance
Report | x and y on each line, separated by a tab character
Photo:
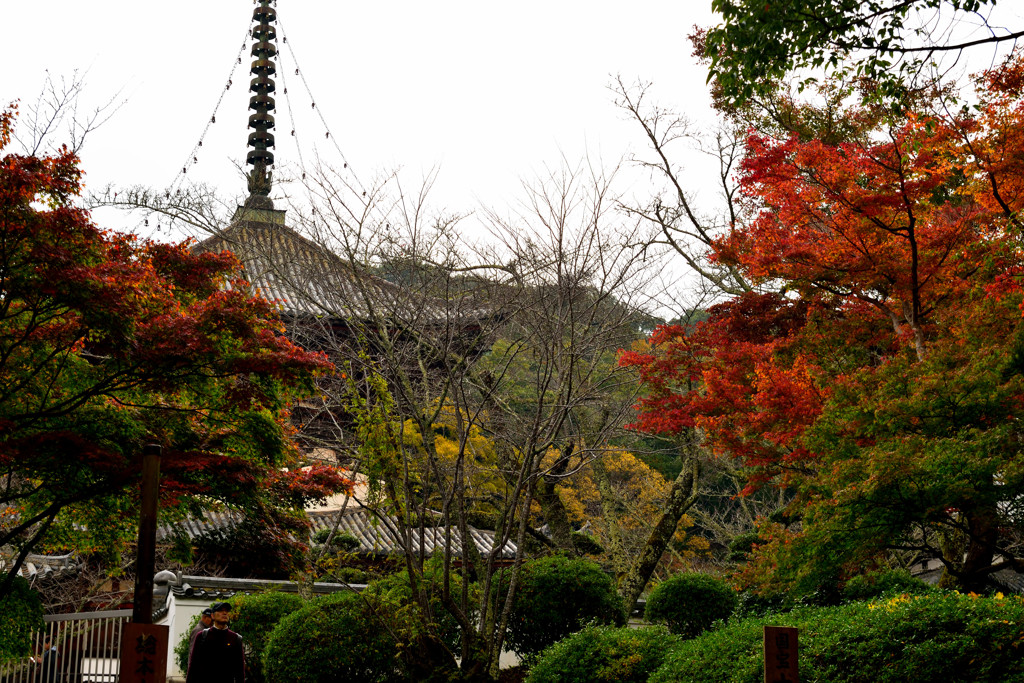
145	558
143	645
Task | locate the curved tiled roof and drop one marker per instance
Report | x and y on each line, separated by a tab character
381	536
307	279
377	535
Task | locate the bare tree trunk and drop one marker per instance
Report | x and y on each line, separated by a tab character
681	498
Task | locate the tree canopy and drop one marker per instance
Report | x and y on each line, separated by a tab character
876	370
888	42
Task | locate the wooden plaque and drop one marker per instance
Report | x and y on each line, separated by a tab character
780	649
144	653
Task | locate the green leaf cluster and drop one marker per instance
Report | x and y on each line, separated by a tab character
407	616
758	44
21	614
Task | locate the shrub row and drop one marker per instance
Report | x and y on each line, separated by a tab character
370	636
931	637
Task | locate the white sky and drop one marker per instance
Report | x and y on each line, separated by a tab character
488	92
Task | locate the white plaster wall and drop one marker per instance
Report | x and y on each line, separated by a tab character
179	614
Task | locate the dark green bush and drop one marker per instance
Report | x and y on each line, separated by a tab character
253	549
885	582
335	638
585	544
20	614
690	603
254	617
395	589
559	595
343	540
352	575
604	653
934	637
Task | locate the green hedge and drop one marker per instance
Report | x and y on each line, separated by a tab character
690	603
604	654
342	541
935	637
885	582
334	638
20	614
559	595
254	617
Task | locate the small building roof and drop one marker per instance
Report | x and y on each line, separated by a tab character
377	534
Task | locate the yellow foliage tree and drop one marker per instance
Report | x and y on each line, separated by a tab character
616	497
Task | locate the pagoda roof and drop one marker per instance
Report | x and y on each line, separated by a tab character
304	278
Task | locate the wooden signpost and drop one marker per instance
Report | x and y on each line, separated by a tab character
144	653
144	645
780	648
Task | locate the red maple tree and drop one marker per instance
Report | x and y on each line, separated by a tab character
108	342
881	382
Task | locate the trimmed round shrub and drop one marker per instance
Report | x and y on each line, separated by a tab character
352	575
885	582
20	614
557	596
342	541
254	617
336	638
394	589
604	653
934	637
690	603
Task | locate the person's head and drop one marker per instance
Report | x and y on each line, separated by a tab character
221	613
206	618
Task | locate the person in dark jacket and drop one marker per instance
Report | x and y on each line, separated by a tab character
205	622
216	655
48	663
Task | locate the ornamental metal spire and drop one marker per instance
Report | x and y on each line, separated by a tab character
261	140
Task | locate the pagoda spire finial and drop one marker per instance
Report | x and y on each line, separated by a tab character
261	140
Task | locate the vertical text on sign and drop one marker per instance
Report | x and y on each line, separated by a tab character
780	650
144	653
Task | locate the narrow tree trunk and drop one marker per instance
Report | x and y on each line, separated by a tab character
552	507
427	659
983	532
681	498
